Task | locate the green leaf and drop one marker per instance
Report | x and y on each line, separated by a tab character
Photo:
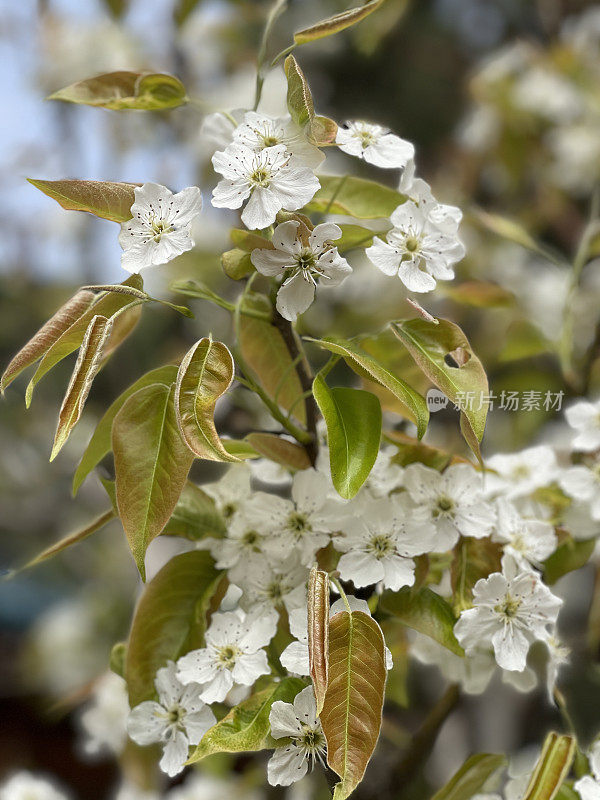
471	778
337	23
363	363
552	767
204	375
86	368
351	715
170	619
104	199
424	611
100	443
250	240
246	727
432	346
105	304
355	197
72	538
318	633
511	230
569	556
266	353
353	420
47	335
320	130
146	91
478	294
151	465
118	656
195	516
472	559
354	236
282	451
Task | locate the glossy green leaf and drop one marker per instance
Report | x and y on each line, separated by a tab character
569	556
195	516
354	197
266	353
104	199
170	619
424	611
146	91
351	715
353	420
552	767
100	443
204	375
86	368
282	451
48	334
318	633
246	727
105	304
72	538
432	346
151	465
337	23
363	363
471	778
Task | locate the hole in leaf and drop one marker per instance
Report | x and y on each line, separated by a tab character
457	358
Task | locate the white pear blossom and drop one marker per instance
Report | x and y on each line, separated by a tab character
375	144
379	541
269	586
299	723
584	417
295	656
417	250
25	785
160	226
178	719
511	609
304	260
577	519
104	720
445	217
588	787
528	541
231	492
270	180
233	654
452	501
519	474
302	524
558	656
583	483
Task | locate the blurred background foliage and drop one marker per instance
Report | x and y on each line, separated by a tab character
502	101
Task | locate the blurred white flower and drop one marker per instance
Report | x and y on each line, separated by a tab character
511	609
27	786
160	227
584	418
417	250
104	719
303	262
200	786
519	474
233	654
588	787
269	586
271	179
375	144
299	723
178	719
230	492
583	483
547	93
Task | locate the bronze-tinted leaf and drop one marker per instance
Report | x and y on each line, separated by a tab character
72	538
47	335
472	559
151	465
282	451
337	23
144	91
87	365
318	633
104	199
170	619
205	374
351	715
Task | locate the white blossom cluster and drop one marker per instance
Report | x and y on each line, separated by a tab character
268	166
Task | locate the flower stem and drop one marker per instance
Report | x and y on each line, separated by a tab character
277	9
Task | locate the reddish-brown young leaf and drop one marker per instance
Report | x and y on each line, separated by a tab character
282	451
318	633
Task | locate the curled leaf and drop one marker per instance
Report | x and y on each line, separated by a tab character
146	91
552	767
205	373
337	23
104	199
88	363
318	633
